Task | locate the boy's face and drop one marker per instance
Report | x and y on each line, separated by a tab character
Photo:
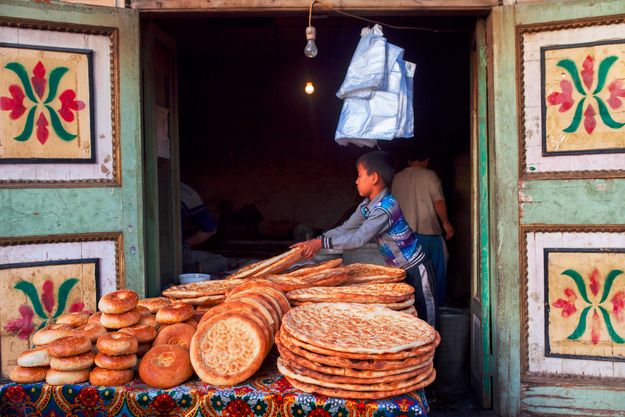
365	182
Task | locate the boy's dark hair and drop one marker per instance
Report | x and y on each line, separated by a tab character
380	162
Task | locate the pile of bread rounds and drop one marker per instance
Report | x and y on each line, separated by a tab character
167	364
233	339
360	351
394	295
352	332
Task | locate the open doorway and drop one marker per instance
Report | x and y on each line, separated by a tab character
261	153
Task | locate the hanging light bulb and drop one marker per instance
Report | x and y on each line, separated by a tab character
311	49
310	88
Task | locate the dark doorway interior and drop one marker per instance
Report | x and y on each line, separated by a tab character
261	153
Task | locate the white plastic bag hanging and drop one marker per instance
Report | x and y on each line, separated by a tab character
377	103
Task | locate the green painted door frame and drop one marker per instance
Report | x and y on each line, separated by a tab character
544	202
162	175
481	358
90	209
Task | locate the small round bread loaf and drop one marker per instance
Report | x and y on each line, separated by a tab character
50	333
109	377
175	313
165	366
118	302
116	363
34	357
119	321
192	322
95	317
115	344
143	349
149	321
143	310
28	375
175	334
73	319
91	330
142	332
73	363
54	377
155	303
69	346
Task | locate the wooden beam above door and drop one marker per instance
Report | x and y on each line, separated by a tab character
297	5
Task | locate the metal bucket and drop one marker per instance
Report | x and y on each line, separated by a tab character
452	355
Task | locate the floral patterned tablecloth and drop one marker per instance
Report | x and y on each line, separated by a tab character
267	394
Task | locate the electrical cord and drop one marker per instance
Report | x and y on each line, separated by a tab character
377	22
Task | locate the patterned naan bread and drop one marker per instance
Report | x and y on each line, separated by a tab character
368	273
201	289
273	265
303	370
366	294
359	328
303	348
307	270
301	355
336	365
228	348
325	278
360	395
393	306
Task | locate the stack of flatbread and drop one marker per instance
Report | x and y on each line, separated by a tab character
273	265
358	351
394	295
204	293
373	274
327	274
233	338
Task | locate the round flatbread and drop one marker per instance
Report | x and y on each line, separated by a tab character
285	370
201	289
393	306
310	359
359	395
273	265
358	328
294	345
324	278
302	370
201	301
368	273
307	270
228	348
365	294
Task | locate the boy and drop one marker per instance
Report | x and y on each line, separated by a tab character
380	217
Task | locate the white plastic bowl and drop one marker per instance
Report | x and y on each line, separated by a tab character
191	278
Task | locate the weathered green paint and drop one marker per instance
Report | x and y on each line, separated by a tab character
543	202
504	214
484	211
48	211
574	401
572	202
163	241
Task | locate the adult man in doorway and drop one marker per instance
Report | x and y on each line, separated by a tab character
197	227
420	195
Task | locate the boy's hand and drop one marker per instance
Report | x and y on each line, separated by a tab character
449	230
311	247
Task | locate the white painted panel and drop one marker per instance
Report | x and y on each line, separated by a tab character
102	169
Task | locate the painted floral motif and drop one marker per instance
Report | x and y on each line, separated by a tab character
42	305
590	104
40	110
597	306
